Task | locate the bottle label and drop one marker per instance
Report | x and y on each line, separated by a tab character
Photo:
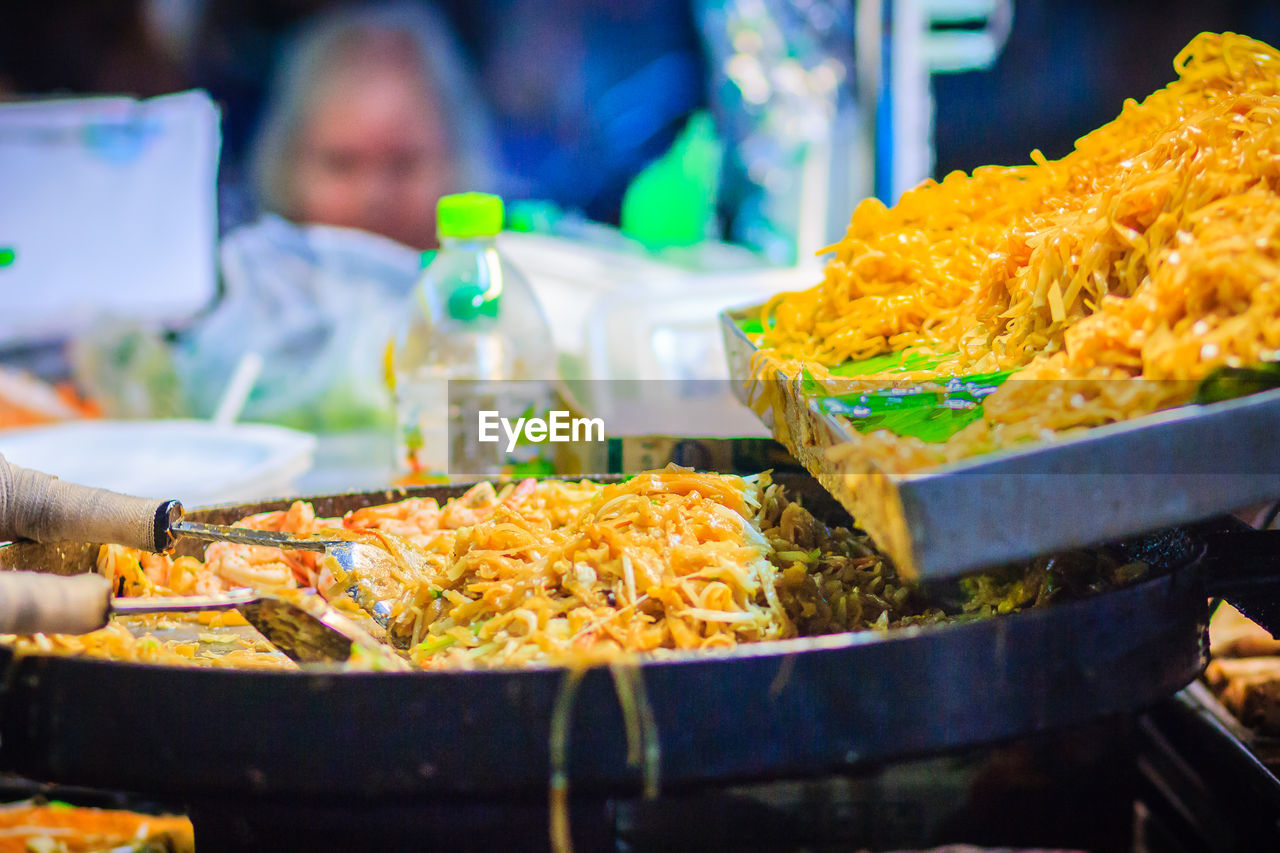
494	428
465	430
422	427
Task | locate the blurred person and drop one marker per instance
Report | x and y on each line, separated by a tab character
371	119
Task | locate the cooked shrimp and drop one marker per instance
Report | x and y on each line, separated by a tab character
472	507
515	496
252	566
299	519
409	518
156	567
189	576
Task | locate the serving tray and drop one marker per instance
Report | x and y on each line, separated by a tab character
1171	467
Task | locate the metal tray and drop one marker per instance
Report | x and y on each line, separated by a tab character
1171	467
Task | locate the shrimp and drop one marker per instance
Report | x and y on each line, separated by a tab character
155	567
418	519
262	521
525	488
299	519
409	518
251	566
189	576
477	504
479	495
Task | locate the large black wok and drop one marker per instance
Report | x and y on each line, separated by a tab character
784	709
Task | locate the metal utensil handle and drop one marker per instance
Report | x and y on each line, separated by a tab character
184	603
244	536
40	603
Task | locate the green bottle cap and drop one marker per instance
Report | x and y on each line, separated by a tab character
469	215
7	256
467	303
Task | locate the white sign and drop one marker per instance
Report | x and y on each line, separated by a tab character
109	208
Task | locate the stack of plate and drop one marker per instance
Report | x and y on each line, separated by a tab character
196	462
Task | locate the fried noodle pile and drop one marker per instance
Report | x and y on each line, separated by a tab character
552	572
1151	252
566	573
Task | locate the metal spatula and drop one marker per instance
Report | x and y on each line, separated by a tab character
301	625
36	506
368	570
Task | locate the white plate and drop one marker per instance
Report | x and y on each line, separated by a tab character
193	461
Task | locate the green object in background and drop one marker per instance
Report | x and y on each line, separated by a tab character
533	216
463	215
536	467
935	416
7	256
891	362
673	201
468	303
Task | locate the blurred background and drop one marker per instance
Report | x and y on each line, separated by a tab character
217	209
584	93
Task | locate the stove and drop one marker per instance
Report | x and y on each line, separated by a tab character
1178	777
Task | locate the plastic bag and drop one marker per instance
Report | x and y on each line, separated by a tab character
316	303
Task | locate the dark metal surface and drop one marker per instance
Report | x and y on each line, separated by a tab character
1209	787
305	627
1246	574
789	709
1243	569
313	632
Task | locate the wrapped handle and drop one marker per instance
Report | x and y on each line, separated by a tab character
35	602
40	507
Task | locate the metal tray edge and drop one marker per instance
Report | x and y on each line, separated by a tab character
1051	495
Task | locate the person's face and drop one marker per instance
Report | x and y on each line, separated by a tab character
373	155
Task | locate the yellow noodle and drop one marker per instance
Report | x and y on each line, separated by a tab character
1150	252
547	573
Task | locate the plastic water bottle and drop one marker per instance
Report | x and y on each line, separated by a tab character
472	337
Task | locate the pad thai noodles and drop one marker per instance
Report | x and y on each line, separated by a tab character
571	573
1150	253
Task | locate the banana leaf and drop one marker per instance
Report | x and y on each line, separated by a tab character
1228	383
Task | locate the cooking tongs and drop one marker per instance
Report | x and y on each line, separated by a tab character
44	509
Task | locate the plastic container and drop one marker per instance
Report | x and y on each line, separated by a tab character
472	338
639	336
